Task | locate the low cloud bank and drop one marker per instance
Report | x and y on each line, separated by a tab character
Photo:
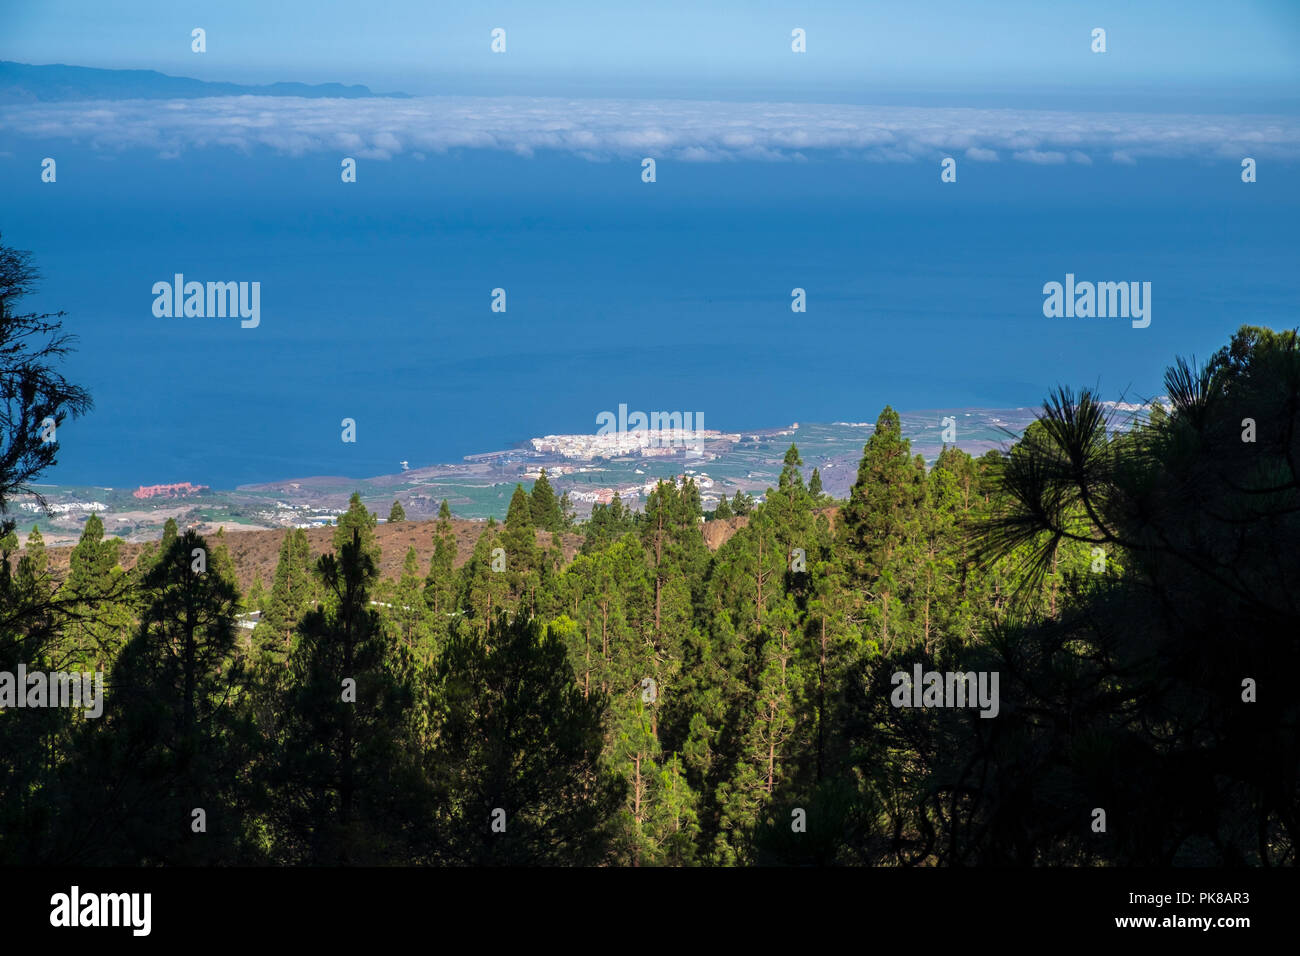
674	129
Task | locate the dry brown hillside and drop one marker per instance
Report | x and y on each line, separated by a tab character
718	533
255	552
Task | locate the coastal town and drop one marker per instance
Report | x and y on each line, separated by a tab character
585	469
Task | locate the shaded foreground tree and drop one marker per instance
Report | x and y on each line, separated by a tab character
175	738
35	398
343	787
516	769
35	401
293	594
1160	694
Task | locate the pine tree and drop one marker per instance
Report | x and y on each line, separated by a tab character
748	681
520	544
608	599
176	686
833	643
364	522
345	780
396	513
153	552
440	584
606	524
675	549
607	594
658	821
791	480
880	533
483	590
408	615
220	561
293	594
951	598
789	508
31	741
723	510
33	390
100	618
768	734
256	598
517	745
33	568
545	509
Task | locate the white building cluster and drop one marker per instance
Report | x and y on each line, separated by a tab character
68	507
646	443
632	492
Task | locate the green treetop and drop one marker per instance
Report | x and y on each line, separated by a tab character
544	506
363	522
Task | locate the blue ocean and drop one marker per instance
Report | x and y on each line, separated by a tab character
674	295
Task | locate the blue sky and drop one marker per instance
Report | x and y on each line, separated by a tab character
857	51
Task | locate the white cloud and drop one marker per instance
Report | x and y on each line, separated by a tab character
1039	158
692	130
